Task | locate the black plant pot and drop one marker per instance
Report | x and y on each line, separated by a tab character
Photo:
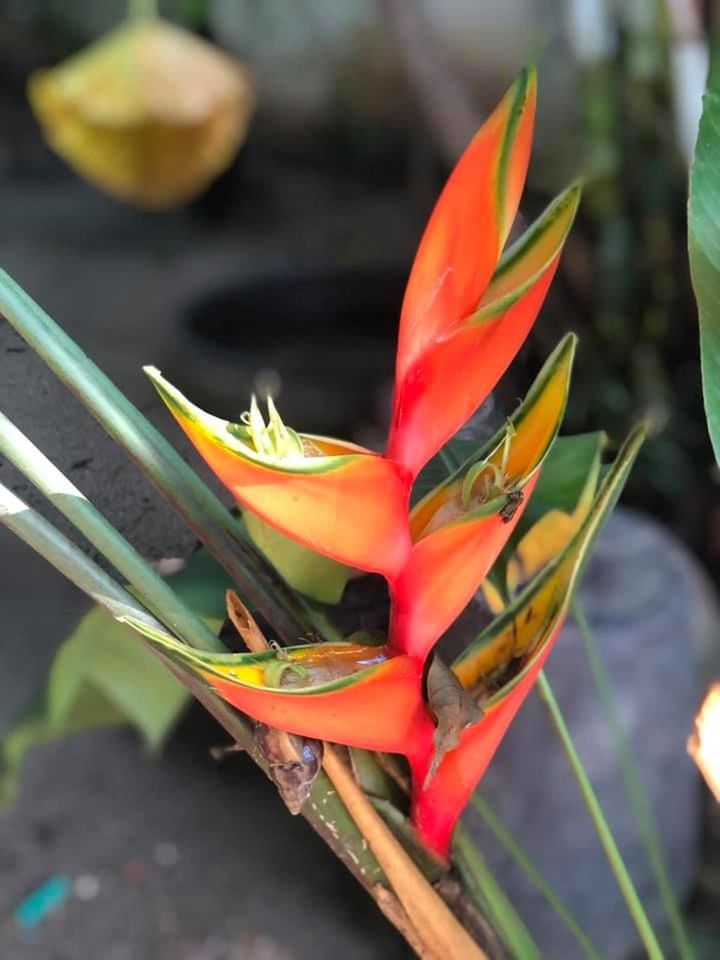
321	343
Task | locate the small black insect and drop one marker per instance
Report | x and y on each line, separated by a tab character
514	499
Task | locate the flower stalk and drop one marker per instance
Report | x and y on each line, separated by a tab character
617	864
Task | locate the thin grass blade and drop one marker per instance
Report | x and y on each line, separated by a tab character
521	858
637	795
617	864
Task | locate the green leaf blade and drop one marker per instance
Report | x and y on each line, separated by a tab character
704	251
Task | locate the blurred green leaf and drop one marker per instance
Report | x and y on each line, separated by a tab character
311	574
704	250
201	585
564	474
101	677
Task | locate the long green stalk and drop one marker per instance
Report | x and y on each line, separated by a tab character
521	858
602	828
325	811
149	586
182	488
66	557
481	882
636	793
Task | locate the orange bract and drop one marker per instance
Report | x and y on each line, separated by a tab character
339	499
468	227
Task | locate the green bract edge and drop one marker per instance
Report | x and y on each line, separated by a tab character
704	250
564	350
217	429
207	662
520	90
568	200
605	500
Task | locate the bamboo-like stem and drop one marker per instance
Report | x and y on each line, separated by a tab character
597	816
633	786
327	811
405	878
324	811
491	898
521	858
204	513
436	926
39	534
66	557
149	586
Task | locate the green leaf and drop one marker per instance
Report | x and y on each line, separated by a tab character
491	899
704	250
311	574
204	513
565	472
201	585
101	676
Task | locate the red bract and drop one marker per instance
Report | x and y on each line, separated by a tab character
467	310
334	497
327	691
502	665
459	528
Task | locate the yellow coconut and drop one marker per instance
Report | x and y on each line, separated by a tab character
151	113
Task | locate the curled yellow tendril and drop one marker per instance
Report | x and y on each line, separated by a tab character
490	479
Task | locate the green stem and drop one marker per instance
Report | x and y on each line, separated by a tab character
66	557
602	828
633	785
324	810
490	898
533	874
149	586
204	513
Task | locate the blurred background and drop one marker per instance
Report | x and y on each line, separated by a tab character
285	275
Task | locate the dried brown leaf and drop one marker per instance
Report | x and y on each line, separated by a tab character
453	706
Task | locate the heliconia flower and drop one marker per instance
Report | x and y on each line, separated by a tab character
502	664
151	113
336	498
350	693
467	311
461	526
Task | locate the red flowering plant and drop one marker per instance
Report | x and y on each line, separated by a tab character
492	524
468	308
